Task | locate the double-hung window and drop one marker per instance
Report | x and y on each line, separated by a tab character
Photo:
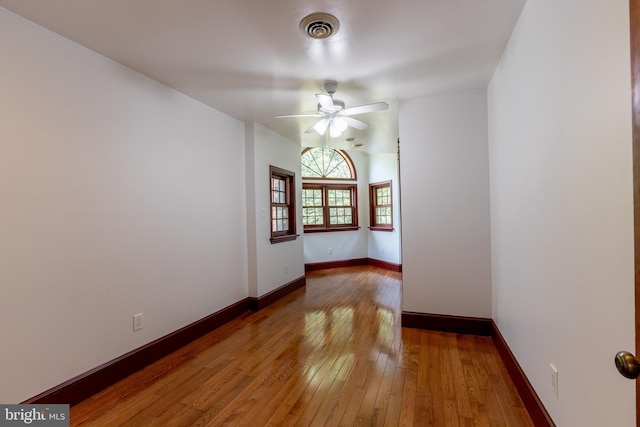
329	207
380	209
283	210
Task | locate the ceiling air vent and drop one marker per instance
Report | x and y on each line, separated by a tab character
319	25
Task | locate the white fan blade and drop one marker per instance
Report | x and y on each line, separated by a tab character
367	108
325	101
320	127
355	123
299	115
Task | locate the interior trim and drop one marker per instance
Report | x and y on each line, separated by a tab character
486	327
265	300
91	382
352	263
532	402
336	264
386	265
446	323
634	23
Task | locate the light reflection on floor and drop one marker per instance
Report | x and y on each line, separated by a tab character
366	327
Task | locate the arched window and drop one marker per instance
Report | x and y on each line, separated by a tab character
326	163
328	206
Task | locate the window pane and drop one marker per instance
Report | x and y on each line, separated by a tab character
281	212
339	197
278	192
280	217
311	197
340	216
310	171
383	216
312	216
383	196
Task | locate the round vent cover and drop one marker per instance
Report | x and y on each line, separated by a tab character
319	25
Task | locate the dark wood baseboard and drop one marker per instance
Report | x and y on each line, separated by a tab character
445	323
336	264
532	402
352	263
86	385
385	264
259	303
486	327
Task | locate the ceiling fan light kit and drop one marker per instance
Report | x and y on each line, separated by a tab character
333	114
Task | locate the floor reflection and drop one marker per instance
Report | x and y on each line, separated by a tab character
357	326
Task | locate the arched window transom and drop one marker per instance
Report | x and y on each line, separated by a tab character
326	163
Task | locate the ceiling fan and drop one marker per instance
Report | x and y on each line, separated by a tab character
333	114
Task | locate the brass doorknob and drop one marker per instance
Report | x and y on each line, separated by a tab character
628	365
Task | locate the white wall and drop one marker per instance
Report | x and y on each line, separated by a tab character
117	196
561	205
445	205
280	263
344	245
385	245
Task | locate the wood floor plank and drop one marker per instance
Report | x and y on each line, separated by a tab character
462	393
383	397
435	378
330	354
394	408
368	413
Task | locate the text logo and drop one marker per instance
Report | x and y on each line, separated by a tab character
34	415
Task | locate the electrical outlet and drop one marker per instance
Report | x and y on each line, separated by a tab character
137	322
554	380
286	269
330	251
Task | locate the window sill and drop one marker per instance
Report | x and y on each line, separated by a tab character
328	230
381	228
281	239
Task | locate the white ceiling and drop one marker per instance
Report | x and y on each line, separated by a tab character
249	59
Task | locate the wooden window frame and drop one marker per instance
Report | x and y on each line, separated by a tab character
373	204
278	236
327	227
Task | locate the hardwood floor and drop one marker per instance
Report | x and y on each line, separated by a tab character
332	354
